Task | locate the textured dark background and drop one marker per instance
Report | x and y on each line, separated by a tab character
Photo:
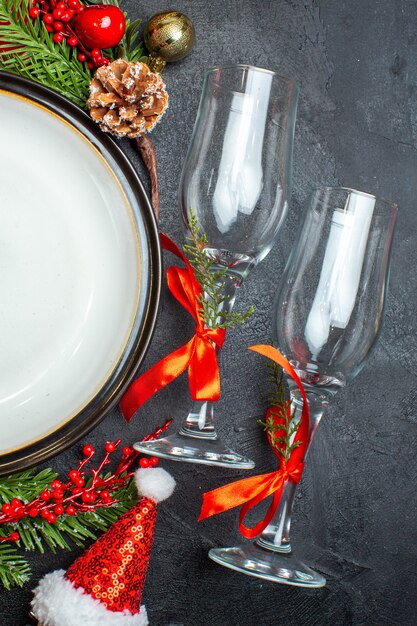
355	510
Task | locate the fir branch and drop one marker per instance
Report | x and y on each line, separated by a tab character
280	419
14	569
276	378
213	281
26	486
36	56
289	427
131	48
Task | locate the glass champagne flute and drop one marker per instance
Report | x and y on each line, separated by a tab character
236	182
326	319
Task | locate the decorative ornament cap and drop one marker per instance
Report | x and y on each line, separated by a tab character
154	483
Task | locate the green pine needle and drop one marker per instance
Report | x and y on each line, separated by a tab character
276	378
14	569
130	48
212	280
26	486
288	426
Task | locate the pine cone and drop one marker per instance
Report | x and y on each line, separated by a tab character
127	99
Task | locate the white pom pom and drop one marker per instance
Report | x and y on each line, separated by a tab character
57	602
154	483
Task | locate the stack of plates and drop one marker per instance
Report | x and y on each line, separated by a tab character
79	273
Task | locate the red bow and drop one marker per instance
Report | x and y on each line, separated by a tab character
198	354
250	491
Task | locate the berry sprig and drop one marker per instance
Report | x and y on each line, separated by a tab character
14	536
63	19
85	490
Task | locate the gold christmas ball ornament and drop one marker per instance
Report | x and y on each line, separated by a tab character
169	36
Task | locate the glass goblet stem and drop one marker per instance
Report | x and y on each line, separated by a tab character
228	289
276	535
270	556
197	440
200	420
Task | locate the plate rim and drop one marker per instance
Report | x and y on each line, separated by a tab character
66	435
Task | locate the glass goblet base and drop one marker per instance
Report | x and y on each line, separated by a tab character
278	567
191	449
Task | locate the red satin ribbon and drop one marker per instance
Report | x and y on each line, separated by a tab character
198	354
248	492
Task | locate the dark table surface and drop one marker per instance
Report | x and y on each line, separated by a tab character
355	510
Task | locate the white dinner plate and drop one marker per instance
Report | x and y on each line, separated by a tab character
79	273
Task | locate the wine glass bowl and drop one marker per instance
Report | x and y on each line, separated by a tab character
328	312
235	186
236	177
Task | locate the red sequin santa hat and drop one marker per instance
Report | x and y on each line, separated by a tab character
104	586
